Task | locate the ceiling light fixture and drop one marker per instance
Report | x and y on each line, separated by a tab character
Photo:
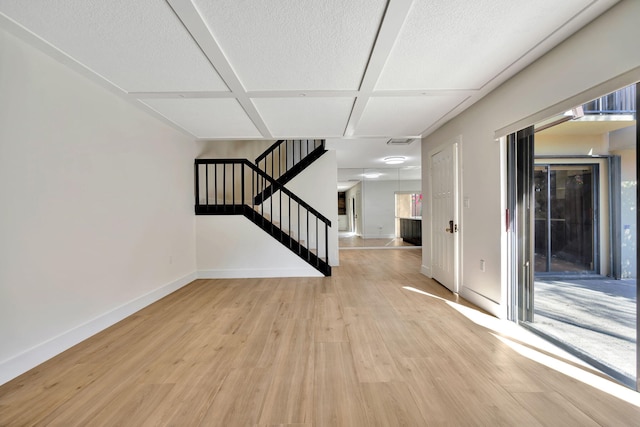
371	175
394	160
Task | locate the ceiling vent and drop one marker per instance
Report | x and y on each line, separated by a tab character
400	141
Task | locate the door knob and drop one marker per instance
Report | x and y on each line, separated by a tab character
450	229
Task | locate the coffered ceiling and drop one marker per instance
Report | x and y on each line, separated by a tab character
255	69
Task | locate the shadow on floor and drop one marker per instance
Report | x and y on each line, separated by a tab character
594	317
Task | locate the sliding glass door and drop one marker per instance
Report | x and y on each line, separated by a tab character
572	223
566	200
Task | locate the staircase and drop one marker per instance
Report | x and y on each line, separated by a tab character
287	158
257	191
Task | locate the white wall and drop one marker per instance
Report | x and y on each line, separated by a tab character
601	51
562	145
97	211
622	143
241	149
380	206
234	247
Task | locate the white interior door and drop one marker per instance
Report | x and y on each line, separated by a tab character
358	202
444	223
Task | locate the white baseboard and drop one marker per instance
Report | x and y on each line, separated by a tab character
481	301
425	270
379	236
29	359
258	273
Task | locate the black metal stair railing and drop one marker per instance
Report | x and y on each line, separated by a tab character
287	158
230	187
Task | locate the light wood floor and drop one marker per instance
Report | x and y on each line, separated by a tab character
355	349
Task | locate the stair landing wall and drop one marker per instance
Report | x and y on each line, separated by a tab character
231	246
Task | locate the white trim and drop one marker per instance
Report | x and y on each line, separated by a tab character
480	300
188	13
425	270
379	236
29	359
249	273
352	248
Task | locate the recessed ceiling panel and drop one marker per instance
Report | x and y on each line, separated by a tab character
207	118
462	44
370	153
293	44
140	46
305	117
396	116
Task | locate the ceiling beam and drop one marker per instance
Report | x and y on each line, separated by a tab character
194	23
392	22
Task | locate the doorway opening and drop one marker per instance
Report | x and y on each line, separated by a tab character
572	199
566	219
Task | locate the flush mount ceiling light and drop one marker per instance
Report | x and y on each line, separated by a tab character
371	175
394	160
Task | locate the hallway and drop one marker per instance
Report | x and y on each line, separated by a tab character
376	344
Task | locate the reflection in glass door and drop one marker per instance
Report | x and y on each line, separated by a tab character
566	218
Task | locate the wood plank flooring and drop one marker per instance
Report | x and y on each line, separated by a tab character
355	349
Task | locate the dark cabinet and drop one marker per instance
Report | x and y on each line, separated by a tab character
411	230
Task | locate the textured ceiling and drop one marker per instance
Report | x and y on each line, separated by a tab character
357	69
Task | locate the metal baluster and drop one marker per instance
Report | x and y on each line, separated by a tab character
299	236
262	202
197	179
317	244
233	185
326	242
290	239
224	186
206	184
279	160
280	216
215	181
308	238
242	182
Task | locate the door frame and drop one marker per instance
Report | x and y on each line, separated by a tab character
519	218
457	213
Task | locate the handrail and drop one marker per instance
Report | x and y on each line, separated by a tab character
272	181
269	150
285	158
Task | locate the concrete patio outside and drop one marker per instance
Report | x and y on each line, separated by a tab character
593	317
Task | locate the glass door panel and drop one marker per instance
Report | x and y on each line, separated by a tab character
541	218
565	218
572	218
